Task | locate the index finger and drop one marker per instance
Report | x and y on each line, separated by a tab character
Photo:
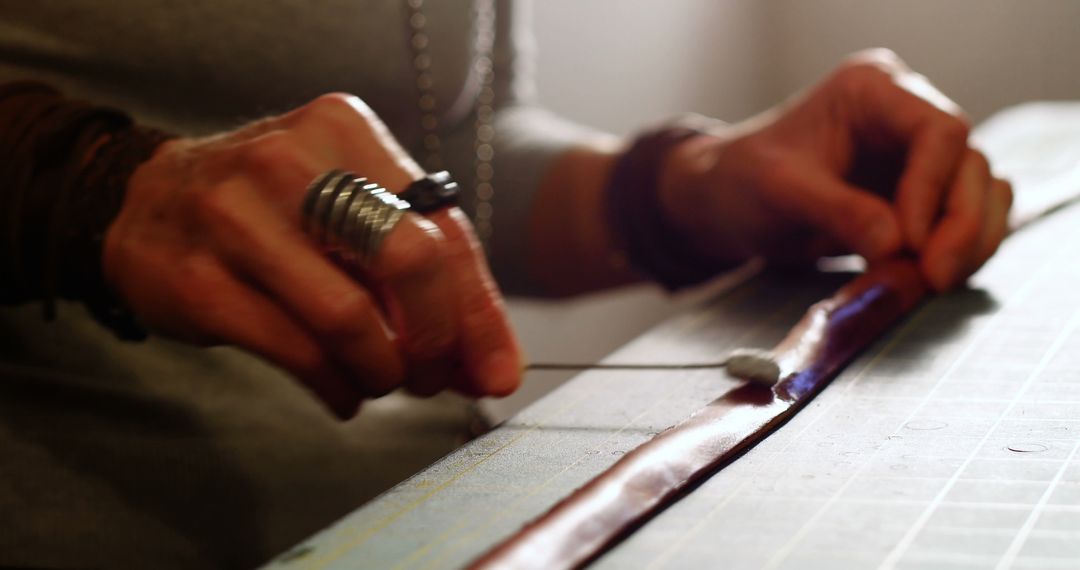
489	348
915	114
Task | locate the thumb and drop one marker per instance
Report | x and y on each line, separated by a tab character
860	220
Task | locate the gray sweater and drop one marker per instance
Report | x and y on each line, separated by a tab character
158	455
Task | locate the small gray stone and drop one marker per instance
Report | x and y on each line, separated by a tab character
754	365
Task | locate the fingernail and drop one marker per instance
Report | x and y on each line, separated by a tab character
501	372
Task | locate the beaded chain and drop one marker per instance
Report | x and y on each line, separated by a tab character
481	79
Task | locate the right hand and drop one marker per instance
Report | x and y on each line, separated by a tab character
208	248
873	160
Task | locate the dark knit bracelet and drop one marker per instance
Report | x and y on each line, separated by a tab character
636	216
95	203
67	164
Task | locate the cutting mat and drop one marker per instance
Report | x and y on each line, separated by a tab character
953	443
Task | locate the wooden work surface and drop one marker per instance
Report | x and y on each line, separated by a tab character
952	443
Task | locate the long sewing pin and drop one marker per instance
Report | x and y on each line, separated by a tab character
751	364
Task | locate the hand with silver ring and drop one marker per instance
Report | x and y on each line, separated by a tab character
209	248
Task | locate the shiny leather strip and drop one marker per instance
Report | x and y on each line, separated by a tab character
596	516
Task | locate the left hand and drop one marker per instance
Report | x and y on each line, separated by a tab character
209	249
873	160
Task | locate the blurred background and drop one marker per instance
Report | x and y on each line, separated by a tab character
620	64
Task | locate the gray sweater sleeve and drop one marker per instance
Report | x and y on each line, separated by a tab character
528	139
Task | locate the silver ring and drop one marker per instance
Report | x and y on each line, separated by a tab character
350	216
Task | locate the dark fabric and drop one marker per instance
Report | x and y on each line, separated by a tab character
160	455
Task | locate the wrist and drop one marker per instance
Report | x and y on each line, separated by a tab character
686	183
68	164
680	182
647	194
105	180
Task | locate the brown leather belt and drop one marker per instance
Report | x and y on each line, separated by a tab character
595	517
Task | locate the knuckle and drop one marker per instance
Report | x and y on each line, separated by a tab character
960	126
981	163
879	58
271	150
851	75
338	102
955	128
416	251
335	108
214	205
346	315
868	65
